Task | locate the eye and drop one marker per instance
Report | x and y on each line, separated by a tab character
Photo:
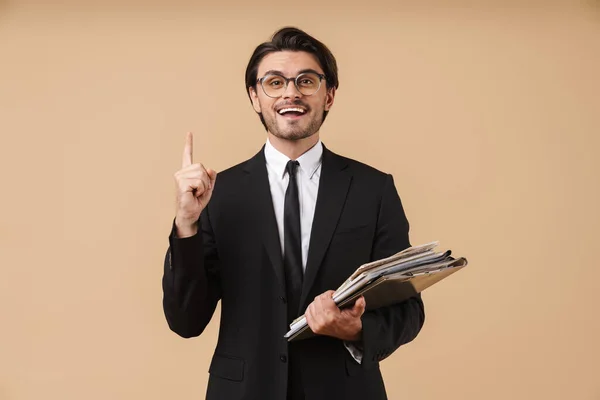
274	82
307	80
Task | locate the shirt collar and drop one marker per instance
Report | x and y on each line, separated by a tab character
310	161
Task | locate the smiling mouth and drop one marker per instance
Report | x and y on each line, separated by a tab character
292	112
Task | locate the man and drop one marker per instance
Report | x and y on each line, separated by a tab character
276	235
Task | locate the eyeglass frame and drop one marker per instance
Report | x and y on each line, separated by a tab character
287	81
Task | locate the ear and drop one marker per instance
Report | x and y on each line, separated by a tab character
255	101
329	98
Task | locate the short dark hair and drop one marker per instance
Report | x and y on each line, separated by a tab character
293	39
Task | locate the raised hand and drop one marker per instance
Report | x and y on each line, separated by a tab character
195	186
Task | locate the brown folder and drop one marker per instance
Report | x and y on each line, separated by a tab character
392	289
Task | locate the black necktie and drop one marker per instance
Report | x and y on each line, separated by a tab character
292	258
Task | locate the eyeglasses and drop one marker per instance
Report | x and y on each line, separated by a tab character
307	83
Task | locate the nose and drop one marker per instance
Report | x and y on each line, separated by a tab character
291	91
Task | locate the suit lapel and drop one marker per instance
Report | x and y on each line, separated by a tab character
261	204
333	188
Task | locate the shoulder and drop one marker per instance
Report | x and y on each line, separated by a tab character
230	184
359	169
239	171
233	172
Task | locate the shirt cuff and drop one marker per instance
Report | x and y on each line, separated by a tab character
355	352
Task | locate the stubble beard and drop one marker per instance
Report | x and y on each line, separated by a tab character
291	130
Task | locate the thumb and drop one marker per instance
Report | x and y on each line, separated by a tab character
212	174
359	307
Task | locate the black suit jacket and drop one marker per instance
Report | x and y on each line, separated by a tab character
236	258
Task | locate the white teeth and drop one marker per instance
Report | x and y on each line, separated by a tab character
284	110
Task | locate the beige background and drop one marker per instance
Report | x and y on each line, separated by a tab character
487	114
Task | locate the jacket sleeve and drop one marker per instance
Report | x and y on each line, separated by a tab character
191	281
387	328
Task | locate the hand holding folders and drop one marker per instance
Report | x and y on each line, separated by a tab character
390	280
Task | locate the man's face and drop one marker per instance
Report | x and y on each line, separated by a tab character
308	116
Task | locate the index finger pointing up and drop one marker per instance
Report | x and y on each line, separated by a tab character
187	150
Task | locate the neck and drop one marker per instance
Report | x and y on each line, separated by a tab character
293	148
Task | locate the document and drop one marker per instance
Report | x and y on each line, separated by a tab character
389	281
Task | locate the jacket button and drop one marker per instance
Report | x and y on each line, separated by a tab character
283	358
283	300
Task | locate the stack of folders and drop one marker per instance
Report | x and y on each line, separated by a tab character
390	280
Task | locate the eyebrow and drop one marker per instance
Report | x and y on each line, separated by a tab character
302	71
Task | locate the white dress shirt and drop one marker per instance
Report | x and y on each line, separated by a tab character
308	177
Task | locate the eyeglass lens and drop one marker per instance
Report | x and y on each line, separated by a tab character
306	83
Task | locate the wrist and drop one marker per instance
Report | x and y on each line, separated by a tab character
355	335
185	228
